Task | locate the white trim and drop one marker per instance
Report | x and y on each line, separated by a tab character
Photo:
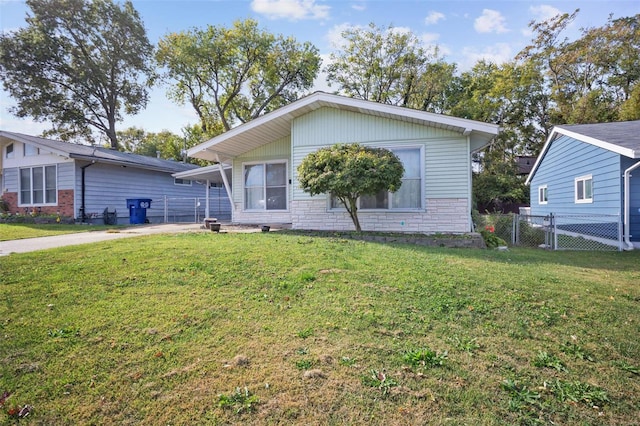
546	193
44	186
393	148
582	179
582	138
627	207
182	179
286	185
597	142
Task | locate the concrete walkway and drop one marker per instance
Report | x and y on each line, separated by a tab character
42	243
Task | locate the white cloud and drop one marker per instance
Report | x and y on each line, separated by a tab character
544	12
491	21
498	53
321	83
540	13
334	35
293	10
359	6
433	17
429	38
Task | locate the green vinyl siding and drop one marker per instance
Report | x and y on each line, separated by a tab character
446	153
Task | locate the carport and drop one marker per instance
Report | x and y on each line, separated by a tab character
216	174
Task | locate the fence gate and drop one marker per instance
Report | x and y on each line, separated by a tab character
558	232
192	209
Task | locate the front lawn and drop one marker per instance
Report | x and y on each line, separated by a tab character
18	231
273	328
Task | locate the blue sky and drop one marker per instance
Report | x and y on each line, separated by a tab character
464	30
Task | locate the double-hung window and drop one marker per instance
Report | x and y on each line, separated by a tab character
38	185
584	189
408	196
265	186
542	195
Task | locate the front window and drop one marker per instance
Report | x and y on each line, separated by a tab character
38	185
265	186
542	195
584	189
408	196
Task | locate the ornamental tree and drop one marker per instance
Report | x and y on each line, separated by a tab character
348	171
78	64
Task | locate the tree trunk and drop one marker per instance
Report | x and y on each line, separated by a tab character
352	208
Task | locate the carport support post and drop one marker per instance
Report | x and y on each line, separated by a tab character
226	184
206	197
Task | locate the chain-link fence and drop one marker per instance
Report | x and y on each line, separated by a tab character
191	209
556	232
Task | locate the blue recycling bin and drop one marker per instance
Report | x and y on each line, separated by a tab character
138	210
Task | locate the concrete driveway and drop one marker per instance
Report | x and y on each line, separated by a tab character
42	243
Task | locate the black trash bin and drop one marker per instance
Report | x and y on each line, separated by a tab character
138	210
110	218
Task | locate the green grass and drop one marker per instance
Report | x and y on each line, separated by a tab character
288	329
18	231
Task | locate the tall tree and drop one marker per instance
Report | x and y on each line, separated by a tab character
389	66
164	144
238	73
80	64
588	79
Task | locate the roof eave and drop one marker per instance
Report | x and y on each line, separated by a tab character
121	163
320	99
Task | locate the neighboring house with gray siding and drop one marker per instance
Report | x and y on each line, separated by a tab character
590	169
80	181
435	150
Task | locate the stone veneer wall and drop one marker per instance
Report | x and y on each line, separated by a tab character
259	217
443	215
64	207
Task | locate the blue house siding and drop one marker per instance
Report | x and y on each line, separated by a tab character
567	159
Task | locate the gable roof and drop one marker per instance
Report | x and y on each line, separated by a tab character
277	124
622	137
99	154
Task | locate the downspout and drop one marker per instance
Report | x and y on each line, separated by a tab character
83	215
627	206
206	209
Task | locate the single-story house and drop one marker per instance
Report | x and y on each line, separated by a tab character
590	169
435	149
45	176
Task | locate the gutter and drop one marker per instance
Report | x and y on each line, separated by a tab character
627	207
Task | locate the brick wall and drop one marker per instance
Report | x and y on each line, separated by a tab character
449	215
64	207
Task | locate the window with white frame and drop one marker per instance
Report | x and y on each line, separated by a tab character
407	197
584	189
9	153
542	194
38	185
184	182
30	150
265	186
